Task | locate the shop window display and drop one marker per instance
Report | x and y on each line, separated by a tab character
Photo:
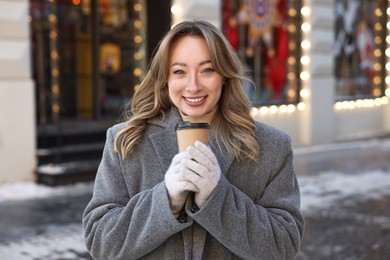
359	48
87	56
266	36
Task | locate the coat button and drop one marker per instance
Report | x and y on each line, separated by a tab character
194	209
182	217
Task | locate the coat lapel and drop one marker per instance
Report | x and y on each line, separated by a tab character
164	138
165	145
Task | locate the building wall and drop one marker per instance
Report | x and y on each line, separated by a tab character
17	123
209	10
316	121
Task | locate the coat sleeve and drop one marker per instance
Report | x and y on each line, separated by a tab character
125	224
270	227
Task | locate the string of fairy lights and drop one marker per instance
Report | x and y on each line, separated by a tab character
387	91
54	60
139	54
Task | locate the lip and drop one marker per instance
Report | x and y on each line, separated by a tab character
195	101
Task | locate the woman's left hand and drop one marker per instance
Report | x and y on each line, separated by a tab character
203	171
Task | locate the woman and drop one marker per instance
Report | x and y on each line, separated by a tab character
237	198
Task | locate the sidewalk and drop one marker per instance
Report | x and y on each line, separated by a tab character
345	199
39	222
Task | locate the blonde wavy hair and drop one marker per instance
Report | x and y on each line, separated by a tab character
232	125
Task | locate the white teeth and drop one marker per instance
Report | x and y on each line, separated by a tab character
195	99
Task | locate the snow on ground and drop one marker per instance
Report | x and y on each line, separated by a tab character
58	241
320	191
64	242
32	190
381	144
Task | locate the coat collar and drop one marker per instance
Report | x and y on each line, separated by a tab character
165	141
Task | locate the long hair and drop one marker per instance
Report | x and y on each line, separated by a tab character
232	125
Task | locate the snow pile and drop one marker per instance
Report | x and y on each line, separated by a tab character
32	190
323	190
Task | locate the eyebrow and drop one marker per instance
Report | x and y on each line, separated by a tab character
185	65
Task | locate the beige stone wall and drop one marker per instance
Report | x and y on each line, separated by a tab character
17	122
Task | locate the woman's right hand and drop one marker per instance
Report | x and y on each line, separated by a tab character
178	187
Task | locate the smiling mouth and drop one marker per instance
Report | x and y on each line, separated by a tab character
194	100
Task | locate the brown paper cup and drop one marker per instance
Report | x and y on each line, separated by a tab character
188	133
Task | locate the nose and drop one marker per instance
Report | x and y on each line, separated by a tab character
193	85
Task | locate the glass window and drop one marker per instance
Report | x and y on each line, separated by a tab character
122	49
266	36
359	49
88	56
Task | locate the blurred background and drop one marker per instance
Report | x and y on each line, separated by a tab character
321	70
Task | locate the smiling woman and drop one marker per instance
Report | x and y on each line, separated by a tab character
153	202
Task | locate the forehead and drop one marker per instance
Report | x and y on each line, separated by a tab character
189	46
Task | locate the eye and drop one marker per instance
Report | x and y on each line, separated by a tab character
178	72
208	70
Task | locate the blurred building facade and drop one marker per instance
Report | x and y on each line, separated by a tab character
321	71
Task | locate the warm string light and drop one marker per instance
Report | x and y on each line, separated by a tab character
387	78
305	60
54	61
138	40
361	103
274	109
378	30
294	53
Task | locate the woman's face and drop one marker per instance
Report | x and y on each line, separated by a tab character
194	86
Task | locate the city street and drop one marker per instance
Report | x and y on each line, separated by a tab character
345	199
318	70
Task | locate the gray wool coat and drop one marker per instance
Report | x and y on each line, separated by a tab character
253	213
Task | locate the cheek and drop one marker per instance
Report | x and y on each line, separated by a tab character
173	90
171	84
218	85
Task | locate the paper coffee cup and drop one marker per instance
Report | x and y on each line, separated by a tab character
188	133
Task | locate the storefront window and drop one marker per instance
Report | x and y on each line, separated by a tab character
359	49
88	56
122	51
266	36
